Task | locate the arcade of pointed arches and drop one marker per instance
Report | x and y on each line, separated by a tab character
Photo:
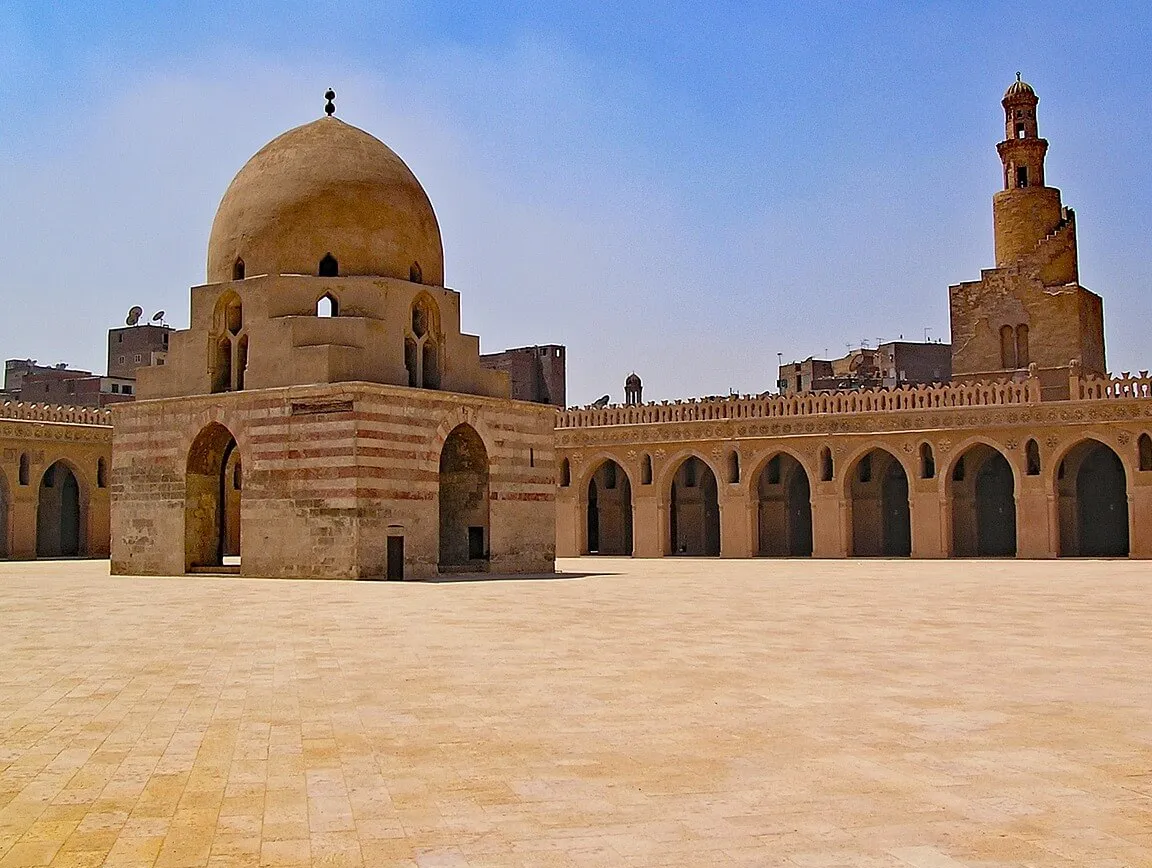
60	507
1088	483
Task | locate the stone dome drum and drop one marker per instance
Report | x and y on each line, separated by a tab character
326	188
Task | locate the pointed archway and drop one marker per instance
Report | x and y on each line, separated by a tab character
212	502
60	514
694	510
983	499
784	508
464	541
609	511
881	514
1092	489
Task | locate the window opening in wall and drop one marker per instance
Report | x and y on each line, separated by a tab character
826	466
733	467
241	362
1144	448
1032	458
1007	347
646	470
327	306
24	472
419	319
431	365
531	457
329	267
234	316
565	472
222	369
415	273
101	473
1021	176
1021	346
238	269
127	390
927	462
410	362
865	472
1020	131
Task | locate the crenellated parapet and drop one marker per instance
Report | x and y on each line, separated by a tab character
1111	388
31	412
846	402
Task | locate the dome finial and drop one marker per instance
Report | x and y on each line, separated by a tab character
330	107
1018	75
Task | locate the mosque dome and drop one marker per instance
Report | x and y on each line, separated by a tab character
632	380
1019	88
326	191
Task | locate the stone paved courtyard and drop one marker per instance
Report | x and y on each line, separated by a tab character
678	713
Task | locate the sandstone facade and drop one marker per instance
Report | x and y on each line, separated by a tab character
54	481
1032	451
329	475
926	472
324	416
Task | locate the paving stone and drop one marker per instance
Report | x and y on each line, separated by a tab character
625	713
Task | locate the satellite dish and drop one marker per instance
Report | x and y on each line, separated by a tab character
602	402
158	316
134	315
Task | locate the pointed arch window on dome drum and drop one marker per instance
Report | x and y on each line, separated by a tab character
422	344
329	267
228	345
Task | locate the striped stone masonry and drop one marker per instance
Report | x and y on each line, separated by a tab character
329	473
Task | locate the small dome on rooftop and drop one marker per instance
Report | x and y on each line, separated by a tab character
1019	88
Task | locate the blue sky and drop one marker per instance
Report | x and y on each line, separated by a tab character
682	189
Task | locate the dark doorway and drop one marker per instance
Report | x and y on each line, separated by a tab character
897	515
593	516
609	512
995	509
784	513
694	510
983	500
212	501
395	558
475	543
1093	503
463	499
5	512
881	516
58	515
